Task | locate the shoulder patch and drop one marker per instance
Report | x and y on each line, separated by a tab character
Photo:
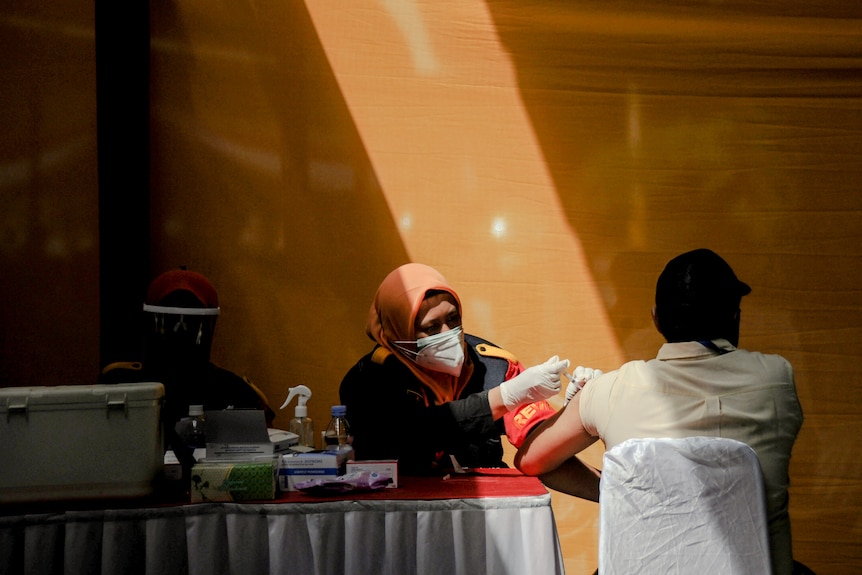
380	354
488	350
132	365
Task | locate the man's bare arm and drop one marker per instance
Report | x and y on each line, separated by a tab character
574	477
554	442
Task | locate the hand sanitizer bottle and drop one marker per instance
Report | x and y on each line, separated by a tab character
301	424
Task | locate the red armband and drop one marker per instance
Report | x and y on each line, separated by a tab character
520	422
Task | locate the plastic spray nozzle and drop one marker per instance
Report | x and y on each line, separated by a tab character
304	394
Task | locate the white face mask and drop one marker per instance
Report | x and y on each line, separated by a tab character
442	352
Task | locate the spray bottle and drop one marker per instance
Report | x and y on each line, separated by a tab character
301	424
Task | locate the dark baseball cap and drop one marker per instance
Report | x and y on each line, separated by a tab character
700	279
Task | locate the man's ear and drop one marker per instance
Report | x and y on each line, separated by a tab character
655	319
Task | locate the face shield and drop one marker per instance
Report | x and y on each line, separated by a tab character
179	335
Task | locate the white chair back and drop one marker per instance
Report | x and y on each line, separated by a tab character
682	506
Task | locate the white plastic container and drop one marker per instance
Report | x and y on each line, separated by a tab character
80	441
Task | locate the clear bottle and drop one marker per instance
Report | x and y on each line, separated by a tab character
195	432
301	424
337	437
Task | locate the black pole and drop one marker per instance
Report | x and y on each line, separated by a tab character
122	99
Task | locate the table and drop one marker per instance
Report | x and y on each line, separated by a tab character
500	522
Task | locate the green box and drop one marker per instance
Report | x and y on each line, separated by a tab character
233	481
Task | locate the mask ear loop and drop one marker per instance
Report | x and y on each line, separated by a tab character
408	352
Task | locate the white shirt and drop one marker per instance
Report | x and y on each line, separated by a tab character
690	389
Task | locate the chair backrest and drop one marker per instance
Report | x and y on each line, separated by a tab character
682	506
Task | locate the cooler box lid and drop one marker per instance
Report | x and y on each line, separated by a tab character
80	441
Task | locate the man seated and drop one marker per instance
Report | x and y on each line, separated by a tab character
700	384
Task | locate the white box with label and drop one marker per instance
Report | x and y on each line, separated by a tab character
383	467
296	467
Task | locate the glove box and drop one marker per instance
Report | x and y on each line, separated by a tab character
80	441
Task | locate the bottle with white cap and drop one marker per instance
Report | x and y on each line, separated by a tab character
195	434
301	423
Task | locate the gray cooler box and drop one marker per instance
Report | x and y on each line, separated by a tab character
80	441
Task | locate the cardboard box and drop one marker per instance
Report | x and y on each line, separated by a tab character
80	441
234	481
297	467
383	467
242	435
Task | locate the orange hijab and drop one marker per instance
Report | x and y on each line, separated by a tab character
392	318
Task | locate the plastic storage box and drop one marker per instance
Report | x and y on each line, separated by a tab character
80	441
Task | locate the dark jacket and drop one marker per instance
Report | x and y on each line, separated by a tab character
389	419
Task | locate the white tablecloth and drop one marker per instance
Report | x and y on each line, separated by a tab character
468	536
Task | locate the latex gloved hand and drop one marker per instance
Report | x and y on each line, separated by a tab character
534	384
581	377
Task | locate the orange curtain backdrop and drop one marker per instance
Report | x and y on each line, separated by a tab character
435	99
549	157
49	203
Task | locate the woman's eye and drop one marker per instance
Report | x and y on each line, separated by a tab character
429	330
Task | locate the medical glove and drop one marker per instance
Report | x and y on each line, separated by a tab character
535	383
581	377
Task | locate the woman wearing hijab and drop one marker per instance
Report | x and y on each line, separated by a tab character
429	394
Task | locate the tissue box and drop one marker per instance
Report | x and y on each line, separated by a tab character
80	441
383	467
297	467
233	481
